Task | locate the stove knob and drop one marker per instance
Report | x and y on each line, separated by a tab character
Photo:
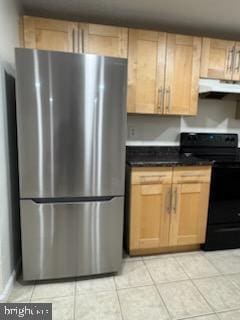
232	139
227	139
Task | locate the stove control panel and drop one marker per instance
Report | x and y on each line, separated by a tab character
219	140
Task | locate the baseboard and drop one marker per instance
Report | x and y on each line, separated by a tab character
170	249
9	285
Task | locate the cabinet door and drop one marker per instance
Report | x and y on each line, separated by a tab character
236	64
217	59
189	213
49	34
182	74
146	68
103	40
150	212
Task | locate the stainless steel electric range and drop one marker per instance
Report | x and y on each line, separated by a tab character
223	230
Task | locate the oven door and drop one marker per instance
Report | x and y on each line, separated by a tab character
224	206
226	236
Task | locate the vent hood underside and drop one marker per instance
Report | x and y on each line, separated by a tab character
219	89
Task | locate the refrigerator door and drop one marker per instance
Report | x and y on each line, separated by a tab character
71	239
71	124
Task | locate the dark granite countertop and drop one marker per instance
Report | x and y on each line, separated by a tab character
145	156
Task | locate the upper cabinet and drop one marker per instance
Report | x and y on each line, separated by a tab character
163	73
103	40
182	74
59	35
163	69
146	63
220	59
236	65
48	34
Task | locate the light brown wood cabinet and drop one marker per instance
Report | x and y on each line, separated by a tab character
182	74
146	63
163	68
59	35
150	200
220	59
167	208
163	73
49	34
103	40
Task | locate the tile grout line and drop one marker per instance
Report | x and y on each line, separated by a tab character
134	287
215	276
202	277
188	279
207	277
205	256
170	255
212	263
227	276
34	286
226	311
171	281
195	317
75	298
118	298
205	299
191	279
186	274
159	294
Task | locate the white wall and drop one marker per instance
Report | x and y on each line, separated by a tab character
9	38
213	116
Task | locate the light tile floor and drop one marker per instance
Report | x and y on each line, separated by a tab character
193	286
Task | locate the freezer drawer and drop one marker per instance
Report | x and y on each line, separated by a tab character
71	239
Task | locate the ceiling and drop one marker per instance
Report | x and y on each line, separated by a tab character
204	17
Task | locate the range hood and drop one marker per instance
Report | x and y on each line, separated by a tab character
219	89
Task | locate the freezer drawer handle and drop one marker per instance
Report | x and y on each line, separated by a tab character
70	200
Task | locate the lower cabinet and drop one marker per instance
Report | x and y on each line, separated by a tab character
189	213
167	208
151	223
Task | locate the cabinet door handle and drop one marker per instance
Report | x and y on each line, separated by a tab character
230	59
160	94
237	61
168	98
174	209
192	175
73	40
169	200
82	40
150	179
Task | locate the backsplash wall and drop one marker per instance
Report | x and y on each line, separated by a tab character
213	116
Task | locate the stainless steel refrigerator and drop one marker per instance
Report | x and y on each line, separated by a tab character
71	121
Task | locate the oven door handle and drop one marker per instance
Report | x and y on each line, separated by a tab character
228	229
